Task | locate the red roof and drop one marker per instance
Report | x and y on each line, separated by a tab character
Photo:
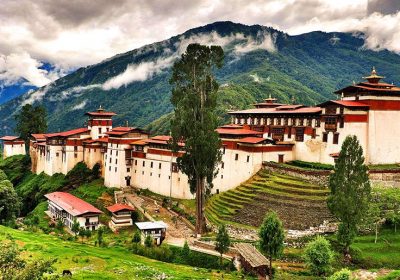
346	103
162	137
252	140
39	136
118	207
68	133
73	205
288	107
334	155
232	125
266	111
101	140
9	138
121	130
101	114
235	131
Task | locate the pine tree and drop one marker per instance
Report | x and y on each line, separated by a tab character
222	242
137	238
148	242
350	190
272	235
194	96
75	227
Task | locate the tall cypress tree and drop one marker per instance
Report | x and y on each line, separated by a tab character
194	96
350	190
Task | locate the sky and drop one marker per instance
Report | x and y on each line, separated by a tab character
68	34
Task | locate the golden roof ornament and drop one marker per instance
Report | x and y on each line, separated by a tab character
373	78
100	109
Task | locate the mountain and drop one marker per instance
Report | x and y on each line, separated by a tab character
259	61
8	92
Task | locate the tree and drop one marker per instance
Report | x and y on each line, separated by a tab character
343	274
350	191
185	253
30	119
194	96
222	242
148	242
60	225
100	232
271	236
13	266
318	256
137	237
10	203
82	233
75	226
373	218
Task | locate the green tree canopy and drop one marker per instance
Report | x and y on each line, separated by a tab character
194	96
318	256
137	237
30	119
222	241
350	190
10	203
272	235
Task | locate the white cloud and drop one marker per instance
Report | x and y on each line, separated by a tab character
79	106
75	33
75	90
35	96
17	66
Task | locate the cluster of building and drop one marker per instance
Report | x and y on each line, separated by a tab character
271	131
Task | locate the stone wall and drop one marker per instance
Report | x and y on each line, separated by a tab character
319	177
384	177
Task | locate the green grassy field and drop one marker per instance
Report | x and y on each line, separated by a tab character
89	262
299	204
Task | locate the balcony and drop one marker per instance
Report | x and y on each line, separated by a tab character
91	223
330	126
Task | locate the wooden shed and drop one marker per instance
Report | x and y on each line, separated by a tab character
251	260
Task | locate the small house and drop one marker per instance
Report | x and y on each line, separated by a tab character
156	229
69	208
251	260
121	215
12	145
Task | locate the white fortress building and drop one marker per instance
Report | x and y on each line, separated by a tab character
270	131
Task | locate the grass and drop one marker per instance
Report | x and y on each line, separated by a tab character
385	253
384	166
89	262
280	189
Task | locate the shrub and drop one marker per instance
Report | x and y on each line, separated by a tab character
311	165
319	256
148	242
137	238
343	274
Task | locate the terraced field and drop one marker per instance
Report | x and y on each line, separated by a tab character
298	203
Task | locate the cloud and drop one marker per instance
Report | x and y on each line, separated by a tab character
73	33
75	90
79	106
16	67
138	72
146	70
34	96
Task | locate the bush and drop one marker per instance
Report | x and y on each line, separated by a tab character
319	256
343	274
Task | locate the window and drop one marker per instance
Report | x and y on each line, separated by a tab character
75	148
110	152
151	173
57	154
75	155
286	121
317	122
99	130
236	156
116	153
151	164
144	163
325	137
278	121
223	150
309	122
128	170
289	133
116	161
109	168
330	111
301	122
335	138
222	176
314	133
115	169
159	165
222	165
110	159
135	161
341	122
299	135
174	167
142	172
248	158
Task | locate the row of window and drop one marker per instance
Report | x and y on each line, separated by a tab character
280	121
335	137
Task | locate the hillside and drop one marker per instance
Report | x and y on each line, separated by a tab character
259	61
299	204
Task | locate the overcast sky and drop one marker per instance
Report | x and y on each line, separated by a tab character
73	33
